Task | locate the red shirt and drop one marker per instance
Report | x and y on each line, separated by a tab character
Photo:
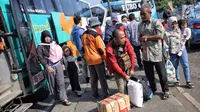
98	29
111	60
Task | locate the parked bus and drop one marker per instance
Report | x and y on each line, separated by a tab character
118	8
21	24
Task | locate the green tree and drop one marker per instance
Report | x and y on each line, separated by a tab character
162	5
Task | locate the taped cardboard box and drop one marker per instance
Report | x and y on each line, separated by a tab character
116	103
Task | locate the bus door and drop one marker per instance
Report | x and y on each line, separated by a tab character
9	80
26	58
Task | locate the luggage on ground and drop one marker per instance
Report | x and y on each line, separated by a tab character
135	92
116	103
147	92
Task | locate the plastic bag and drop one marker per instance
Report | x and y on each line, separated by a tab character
135	92
171	73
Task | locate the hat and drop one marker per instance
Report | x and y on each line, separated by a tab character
114	18
94	21
108	23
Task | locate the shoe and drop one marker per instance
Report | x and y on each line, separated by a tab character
95	97
165	95
79	93
87	80
154	91
141	67
190	85
66	103
178	83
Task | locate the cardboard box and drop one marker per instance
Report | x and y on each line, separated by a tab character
116	103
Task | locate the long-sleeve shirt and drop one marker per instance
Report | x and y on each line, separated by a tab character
76	37
43	54
173	42
111	58
132	33
152	50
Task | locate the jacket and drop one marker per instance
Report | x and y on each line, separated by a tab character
43	50
93	47
76	37
111	58
43	55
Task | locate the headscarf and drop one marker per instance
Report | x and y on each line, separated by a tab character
169	25
44	34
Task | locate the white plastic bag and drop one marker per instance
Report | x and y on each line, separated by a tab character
171	73
135	92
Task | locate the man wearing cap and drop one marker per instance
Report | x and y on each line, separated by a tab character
117	24
108	31
94	54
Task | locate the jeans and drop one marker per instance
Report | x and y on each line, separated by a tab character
184	62
160	68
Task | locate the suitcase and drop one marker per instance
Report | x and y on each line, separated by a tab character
116	103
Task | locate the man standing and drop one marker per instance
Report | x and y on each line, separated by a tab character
120	59
132	33
151	33
125	21
94	54
76	37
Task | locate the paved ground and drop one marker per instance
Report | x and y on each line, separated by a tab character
181	98
86	104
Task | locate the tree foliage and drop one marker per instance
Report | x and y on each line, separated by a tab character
162	5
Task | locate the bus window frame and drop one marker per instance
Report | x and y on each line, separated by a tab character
105	14
57	7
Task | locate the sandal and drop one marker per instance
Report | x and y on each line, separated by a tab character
189	85
66	103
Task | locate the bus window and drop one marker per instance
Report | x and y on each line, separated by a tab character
73	7
98	12
40	6
67	7
84	9
117	9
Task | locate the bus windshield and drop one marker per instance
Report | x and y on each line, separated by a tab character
69	7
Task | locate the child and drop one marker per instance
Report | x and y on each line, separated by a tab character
71	68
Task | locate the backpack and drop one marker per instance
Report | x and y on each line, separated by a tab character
123	59
147	92
55	52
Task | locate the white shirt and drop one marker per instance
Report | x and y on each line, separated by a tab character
187	33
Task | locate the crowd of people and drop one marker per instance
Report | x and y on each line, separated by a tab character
116	52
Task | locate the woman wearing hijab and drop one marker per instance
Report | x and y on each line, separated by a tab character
174	44
55	70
